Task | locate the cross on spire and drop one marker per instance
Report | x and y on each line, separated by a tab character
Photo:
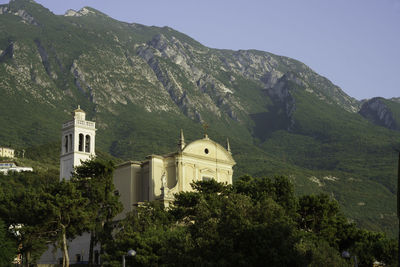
205	127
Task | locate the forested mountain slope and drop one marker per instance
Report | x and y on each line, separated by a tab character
142	84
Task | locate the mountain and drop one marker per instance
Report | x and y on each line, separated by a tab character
383	112
142	84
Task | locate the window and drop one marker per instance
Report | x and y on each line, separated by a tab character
81	142
206	151
206	178
70	143
87	144
66	144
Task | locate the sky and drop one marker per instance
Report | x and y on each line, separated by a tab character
353	43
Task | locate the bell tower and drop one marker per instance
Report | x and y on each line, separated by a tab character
77	142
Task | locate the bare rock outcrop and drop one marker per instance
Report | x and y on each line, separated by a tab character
377	112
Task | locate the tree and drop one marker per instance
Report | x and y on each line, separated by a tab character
22	209
211	226
317	212
228	228
94	178
67	214
370	246
320	253
42	210
255	222
154	234
280	189
8	248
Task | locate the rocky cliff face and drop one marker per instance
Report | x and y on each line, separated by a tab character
376	111
395	99
163	71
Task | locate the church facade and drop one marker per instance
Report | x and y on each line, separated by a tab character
158	178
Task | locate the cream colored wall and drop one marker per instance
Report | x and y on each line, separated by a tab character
145	181
215	150
170	167
142	182
129	183
206	159
123	183
156	171
137	184
195	169
189	175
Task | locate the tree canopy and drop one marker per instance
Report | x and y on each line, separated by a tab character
255	222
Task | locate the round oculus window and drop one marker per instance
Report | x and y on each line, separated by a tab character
206	151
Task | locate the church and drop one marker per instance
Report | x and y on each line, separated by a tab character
160	177
156	178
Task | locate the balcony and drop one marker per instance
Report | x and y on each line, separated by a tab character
89	124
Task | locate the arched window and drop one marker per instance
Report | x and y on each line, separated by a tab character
81	142
66	144
71	143
87	144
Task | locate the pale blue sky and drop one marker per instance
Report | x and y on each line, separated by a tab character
354	43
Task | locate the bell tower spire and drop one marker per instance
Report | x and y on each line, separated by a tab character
181	143
228	146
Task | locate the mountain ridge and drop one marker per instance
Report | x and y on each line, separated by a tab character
141	84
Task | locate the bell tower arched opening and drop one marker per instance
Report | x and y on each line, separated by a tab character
87	143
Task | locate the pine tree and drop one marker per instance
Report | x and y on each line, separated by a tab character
95	180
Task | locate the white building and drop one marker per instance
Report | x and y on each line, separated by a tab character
77	145
77	142
10	166
6	152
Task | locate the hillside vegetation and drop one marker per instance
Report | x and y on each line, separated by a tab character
143	84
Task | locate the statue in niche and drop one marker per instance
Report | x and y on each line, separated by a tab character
164	187
164	180
165	191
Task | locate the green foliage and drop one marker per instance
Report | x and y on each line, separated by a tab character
40	210
320	253
255	222
394	107
24	210
280	189
370	246
94	178
67	207
7	246
45	211
151	232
